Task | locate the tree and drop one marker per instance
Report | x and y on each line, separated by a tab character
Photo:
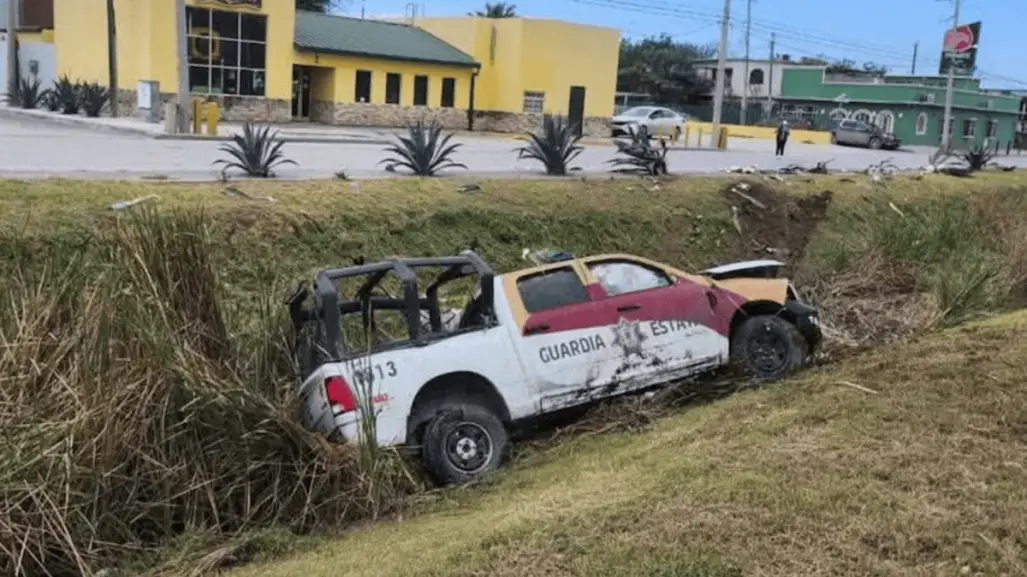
663	69
497	10
849	67
323	6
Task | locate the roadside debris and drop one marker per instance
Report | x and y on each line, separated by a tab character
818	168
233	191
123	204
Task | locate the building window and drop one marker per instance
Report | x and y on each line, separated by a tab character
393	82
420	91
921	124
969	127
227	52
992	128
886	121
448	92
362	87
534	102
756	77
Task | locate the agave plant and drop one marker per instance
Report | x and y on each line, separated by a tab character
92	98
978	156
24	93
51	101
67	94
639	154
424	150
257	151
555	146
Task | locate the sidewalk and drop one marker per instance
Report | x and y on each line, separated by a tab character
288	133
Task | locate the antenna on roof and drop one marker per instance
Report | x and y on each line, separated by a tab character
363	9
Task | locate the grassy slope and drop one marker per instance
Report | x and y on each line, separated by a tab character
808	477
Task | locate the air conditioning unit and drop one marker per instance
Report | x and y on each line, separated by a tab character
930	97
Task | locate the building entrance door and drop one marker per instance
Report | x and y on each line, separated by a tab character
300	93
576	107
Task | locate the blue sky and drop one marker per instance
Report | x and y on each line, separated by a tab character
880	30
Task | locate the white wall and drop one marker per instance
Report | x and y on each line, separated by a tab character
739	80
41	52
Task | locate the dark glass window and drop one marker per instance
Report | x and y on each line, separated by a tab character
393	82
448	92
420	91
227	52
362	89
551	289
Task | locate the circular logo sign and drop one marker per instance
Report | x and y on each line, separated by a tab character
959	39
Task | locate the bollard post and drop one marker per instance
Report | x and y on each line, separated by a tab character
213	116
197	116
722	138
684	136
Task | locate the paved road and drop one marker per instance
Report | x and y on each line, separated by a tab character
31	148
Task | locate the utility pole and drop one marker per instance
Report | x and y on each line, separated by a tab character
12	46
112	58
770	74
718	86
916	48
363	9
745	78
946	125
183	67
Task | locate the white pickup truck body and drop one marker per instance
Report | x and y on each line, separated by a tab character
554	336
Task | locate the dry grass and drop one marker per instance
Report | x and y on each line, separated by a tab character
922	476
146	408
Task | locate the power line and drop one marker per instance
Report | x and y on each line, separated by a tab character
897	58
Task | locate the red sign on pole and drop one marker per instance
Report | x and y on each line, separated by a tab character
959	39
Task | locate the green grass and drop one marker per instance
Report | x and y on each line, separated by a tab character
130	339
807	477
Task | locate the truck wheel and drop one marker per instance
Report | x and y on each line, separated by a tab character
462	442
768	347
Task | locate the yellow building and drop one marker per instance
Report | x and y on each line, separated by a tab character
263	60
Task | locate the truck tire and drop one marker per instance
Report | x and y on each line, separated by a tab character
768	347
462	442
875	143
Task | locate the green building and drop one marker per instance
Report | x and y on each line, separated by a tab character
911	107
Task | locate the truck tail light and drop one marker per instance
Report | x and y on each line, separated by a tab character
339	394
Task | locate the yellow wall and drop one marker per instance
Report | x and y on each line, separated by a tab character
146	41
344	87
760	132
547	56
43	36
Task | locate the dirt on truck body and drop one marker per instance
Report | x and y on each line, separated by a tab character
452	383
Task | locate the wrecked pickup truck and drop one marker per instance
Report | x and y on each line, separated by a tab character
564	333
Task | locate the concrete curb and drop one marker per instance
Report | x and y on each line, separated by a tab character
83	122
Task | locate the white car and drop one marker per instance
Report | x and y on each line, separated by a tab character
527	344
658	120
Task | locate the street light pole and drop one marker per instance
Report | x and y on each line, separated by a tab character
12	46
946	126
745	76
112	58
718	85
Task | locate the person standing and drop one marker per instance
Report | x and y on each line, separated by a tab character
782	138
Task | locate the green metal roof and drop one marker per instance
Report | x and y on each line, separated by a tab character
323	33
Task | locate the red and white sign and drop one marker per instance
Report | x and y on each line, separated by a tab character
959	39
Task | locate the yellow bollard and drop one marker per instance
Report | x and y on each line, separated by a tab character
213	116
197	115
722	141
699	140
684	135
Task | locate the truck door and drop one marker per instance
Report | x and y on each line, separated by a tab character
561	337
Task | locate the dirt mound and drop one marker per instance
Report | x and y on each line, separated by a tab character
771	223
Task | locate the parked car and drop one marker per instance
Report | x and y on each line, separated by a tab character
562	334
859	133
659	121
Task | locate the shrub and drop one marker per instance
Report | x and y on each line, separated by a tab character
257	151
423	151
136	407
67	94
93	98
639	154
978	156
51	101
555	146
25	93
